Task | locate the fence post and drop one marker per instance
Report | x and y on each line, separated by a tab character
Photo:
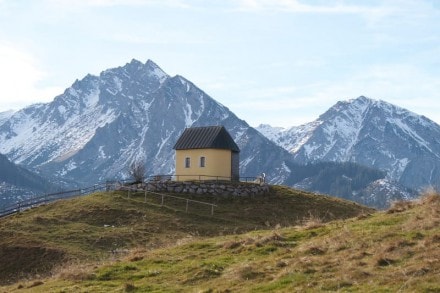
187	201
128	193
145	196
162	201
212	210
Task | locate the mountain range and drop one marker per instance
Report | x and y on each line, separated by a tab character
371	133
101	124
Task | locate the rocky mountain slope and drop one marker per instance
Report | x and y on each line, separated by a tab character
5	116
17	183
349	181
372	133
101	124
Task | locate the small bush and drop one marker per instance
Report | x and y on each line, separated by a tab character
137	171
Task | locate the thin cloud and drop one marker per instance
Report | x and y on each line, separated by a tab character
295	6
158	37
20	76
111	3
393	12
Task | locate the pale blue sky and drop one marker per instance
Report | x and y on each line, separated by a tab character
281	62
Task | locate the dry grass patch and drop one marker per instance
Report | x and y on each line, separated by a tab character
400	206
76	272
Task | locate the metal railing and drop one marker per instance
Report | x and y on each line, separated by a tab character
49	197
206	178
116	184
167	177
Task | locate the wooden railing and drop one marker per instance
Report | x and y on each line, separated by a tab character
163	196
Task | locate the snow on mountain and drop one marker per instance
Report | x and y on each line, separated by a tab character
272	133
292	138
4	116
99	125
374	134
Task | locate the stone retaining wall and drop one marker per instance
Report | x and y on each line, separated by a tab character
216	188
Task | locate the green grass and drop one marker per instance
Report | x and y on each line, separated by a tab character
86	232
351	255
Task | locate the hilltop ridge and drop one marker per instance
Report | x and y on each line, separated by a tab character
106	225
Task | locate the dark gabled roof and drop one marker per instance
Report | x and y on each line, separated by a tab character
211	137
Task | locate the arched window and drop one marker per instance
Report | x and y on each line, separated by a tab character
202	162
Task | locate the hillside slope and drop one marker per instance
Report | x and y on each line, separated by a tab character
105	225
349	181
394	251
17	183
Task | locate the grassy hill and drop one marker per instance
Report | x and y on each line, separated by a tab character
103	226
393	251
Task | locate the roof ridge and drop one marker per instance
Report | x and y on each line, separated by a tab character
202	137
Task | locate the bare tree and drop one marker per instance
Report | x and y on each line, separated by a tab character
137	171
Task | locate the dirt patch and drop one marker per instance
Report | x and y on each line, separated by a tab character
19	262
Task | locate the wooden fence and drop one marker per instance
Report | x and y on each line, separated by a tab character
163	196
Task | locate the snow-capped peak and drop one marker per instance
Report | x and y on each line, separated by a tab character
271	132
98	126
155	70
370	132
291	138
